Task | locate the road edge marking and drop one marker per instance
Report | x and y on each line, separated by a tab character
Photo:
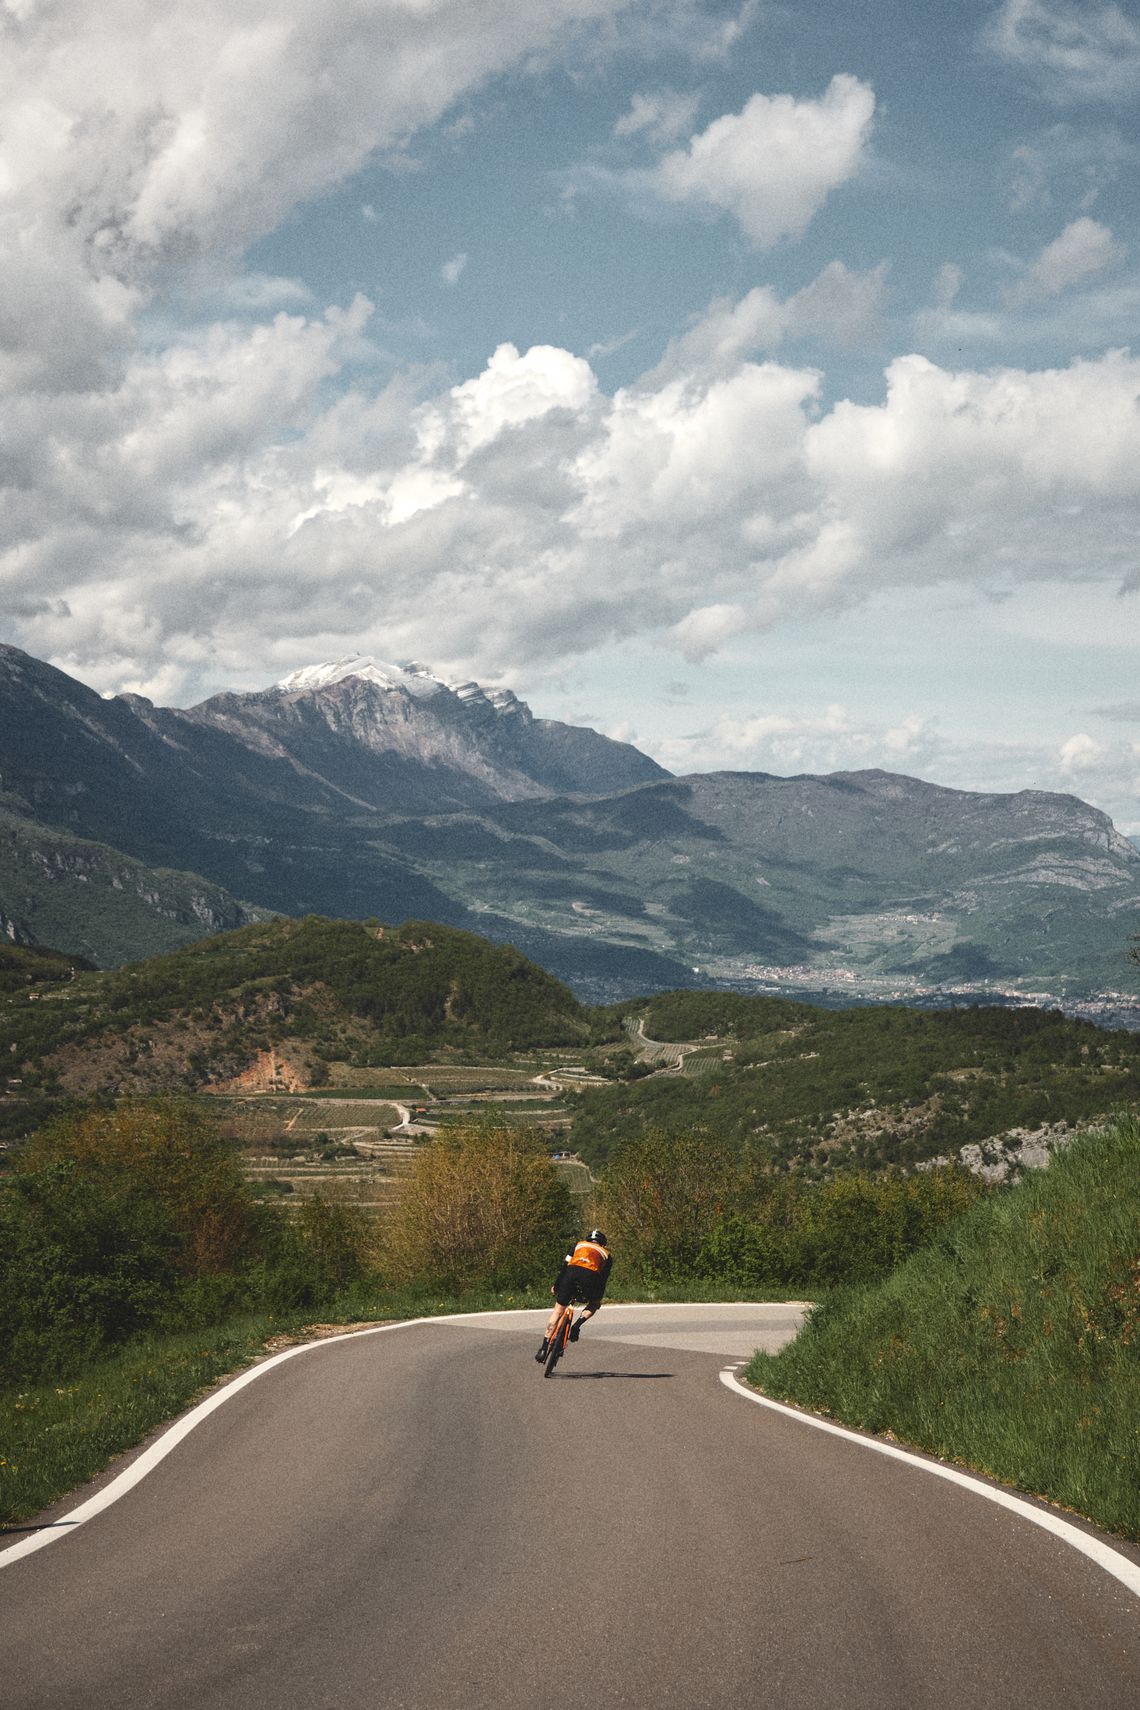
1119	1566
180	1428
173	1435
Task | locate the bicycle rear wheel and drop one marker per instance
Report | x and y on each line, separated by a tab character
557	1347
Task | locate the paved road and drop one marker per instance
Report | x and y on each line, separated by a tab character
418	1519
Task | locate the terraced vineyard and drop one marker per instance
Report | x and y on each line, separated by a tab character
356	1145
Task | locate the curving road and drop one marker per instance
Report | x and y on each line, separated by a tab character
417	1519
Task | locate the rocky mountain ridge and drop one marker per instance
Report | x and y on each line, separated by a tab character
359	789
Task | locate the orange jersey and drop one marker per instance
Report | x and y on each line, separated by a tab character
589	1256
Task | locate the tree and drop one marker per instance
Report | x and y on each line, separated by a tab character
171	1152
662	1195
483	1205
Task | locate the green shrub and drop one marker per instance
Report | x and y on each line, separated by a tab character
82	1267
687	1207
170	1150
117	1220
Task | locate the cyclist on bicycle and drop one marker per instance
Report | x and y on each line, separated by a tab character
583	1277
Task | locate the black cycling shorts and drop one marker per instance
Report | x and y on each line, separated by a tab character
576	1283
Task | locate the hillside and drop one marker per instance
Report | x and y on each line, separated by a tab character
861	884
1009	1344
23	966
274	1002
56	888
821	1090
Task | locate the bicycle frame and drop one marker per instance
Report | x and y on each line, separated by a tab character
559	1339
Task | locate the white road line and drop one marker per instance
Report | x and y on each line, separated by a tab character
1119	1566
170	1439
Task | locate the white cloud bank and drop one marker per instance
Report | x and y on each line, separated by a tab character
137	139
213	515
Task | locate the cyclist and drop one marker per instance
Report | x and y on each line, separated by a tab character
583	1277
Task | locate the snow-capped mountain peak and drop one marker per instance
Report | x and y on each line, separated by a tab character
412	677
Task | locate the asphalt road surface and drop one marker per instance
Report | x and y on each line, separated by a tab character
418	1519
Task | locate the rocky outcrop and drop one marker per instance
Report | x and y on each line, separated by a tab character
1004	1157
268	1073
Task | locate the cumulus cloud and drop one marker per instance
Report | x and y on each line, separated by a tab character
138	140
1084	248
215	518
1080	753
451	270
773	164
830	740
1073	50
235	500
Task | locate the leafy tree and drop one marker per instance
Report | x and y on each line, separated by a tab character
83	1265
171	1152
483	1205
662	1195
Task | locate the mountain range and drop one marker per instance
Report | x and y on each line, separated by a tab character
363	789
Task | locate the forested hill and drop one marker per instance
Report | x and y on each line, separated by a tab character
313	989
871	1088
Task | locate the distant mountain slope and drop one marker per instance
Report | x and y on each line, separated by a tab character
234	790
859	873
360	789
400	740
101	904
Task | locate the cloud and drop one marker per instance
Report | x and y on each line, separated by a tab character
839	306
215	518
831	740
773	164
1084	247
1064	165
1072	51
1080	753
690	28
142	142
705	629
661	117
451	270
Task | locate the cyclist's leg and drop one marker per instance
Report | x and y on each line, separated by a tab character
562	1293
591	1306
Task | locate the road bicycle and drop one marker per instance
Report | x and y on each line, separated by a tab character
556	1346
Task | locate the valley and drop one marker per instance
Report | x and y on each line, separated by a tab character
327	1049
364	790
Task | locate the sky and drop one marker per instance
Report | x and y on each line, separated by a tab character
750	381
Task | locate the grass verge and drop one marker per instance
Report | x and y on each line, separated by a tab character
1010	1345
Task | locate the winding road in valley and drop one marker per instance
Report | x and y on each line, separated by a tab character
415	1518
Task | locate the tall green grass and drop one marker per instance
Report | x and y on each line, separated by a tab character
1011	1344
